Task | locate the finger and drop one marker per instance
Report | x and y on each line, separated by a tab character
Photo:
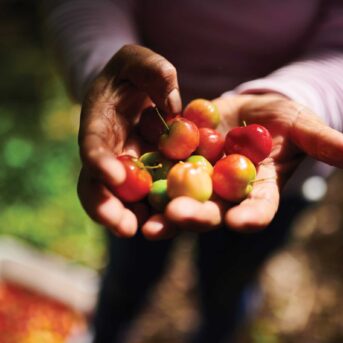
101	162
104	208
157	227
149	72
127	227
104	131
132	147
186	212
317	139
97	156
258	210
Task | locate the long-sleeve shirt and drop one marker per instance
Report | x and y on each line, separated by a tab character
291	47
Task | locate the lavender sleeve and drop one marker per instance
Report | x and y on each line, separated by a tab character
316	79
85	35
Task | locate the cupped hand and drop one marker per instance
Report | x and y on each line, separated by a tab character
134	78
296	132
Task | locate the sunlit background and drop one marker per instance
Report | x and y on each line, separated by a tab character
39	165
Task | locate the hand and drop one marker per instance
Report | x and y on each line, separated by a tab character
296	131
133	78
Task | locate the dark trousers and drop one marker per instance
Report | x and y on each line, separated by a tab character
227	262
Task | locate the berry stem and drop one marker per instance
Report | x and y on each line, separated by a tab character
154	167
162	119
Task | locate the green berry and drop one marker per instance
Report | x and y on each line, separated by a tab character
158	197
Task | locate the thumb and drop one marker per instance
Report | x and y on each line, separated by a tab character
317	139
149	72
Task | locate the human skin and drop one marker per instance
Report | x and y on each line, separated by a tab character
114	102
296	131
132	79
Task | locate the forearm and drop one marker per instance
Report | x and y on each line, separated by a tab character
85	34
316	78
316	82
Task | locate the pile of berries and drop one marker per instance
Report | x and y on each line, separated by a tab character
192	158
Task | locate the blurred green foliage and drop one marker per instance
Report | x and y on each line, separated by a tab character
38	145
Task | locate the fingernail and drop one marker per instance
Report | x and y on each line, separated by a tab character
155	227
173	102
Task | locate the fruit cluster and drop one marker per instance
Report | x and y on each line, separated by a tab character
187	145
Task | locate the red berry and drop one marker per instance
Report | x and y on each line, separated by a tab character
181	140
253	141
211	144
232	177
137	183
150	127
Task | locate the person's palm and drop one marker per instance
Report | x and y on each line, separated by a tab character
295	131
278	115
